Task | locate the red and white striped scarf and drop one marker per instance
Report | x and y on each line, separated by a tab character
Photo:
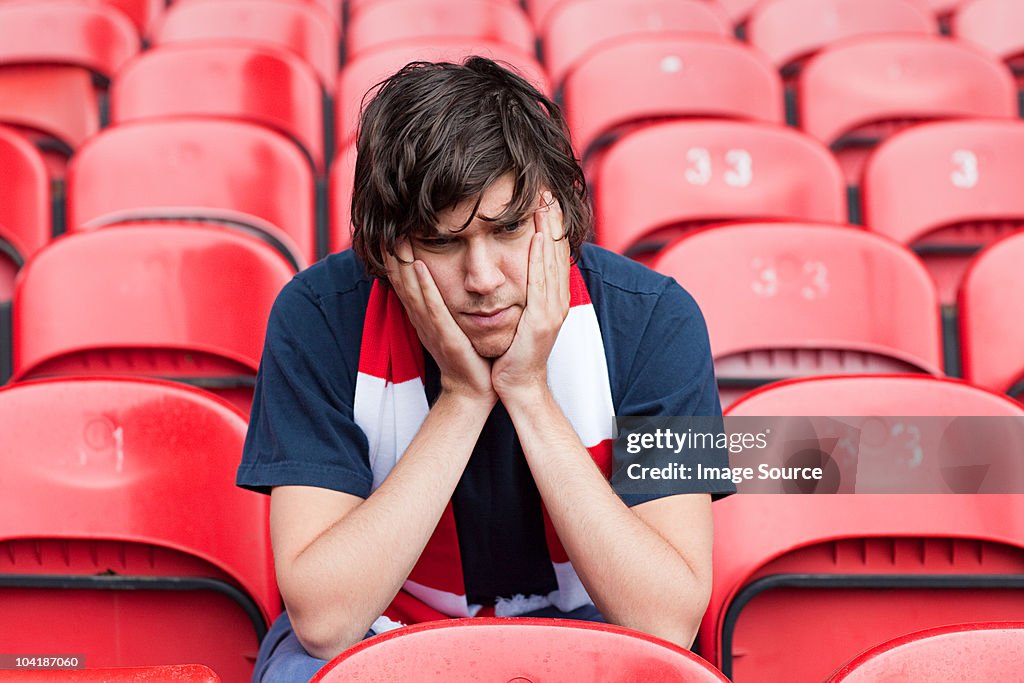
391	404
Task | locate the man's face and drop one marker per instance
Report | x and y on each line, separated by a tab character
481	271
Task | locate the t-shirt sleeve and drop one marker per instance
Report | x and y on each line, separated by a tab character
301	430
672	374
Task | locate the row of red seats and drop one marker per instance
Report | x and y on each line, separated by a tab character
594	50
190	302
127	542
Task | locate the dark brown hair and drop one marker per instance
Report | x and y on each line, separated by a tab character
438	134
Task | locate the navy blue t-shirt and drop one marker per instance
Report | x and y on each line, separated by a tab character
302	432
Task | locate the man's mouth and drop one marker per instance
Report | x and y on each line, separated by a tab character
494	317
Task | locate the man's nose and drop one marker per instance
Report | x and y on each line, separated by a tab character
483	269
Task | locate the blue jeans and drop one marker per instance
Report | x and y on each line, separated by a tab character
283	660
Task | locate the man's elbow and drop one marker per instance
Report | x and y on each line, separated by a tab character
323	637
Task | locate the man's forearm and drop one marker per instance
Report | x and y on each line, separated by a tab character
635	577
345	578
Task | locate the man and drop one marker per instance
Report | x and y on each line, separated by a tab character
434	409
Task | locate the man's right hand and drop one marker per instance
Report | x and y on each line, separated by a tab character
464	372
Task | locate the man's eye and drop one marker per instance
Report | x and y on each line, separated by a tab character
511	228
436	242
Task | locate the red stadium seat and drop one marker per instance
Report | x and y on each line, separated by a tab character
994	25
180	302
673	176
790	31
391	21
872	566
523	649
789	299
180	673
123	537
303	28
343	175
24	206
256	83
361	75
991	331
225	172
49	55
947	189
90	36
633	80
970	653
576	26
855	94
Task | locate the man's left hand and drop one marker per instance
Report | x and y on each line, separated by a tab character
522	370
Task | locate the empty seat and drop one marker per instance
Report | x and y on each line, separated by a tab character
947	189
575	27
669	177
24	207
90	36
340	184
785	299
235	174
855	94
257	83
790	31
50	54
489	648
183	673
123	537
971	653
358	78
180	302
874	566
636	79
991	331
994	25
390	21
300	27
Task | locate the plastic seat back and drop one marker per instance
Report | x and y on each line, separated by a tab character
972	653
784	300
303	28
90	36
360	76
854	94
991	329
24	206
179	302
995	26
548	650
256	83
390	21
233	173
124	539
947	189
576	27
724	170
888	563
55	59
790	31
634	80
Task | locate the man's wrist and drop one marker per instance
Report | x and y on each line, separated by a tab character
526	396
465	402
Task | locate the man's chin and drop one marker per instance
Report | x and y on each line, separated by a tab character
492	347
